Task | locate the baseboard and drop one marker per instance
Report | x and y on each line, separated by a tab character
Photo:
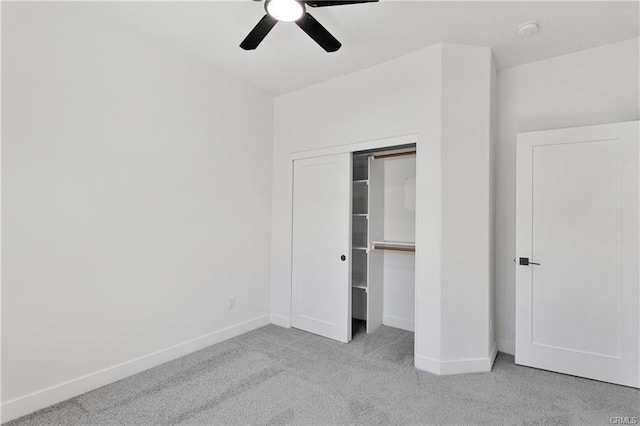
507	346
52	395
427	364
281	320
400	323
460	366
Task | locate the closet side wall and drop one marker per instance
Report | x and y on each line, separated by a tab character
467	255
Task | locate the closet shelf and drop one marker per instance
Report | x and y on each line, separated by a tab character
359	248
365	181
406	246
365	215
394	154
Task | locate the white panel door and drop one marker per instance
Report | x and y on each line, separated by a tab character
321	246
577	217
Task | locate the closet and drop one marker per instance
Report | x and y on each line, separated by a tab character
383	238
353	241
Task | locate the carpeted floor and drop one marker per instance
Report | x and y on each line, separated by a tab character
285	376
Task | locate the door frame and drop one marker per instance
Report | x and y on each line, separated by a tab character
344	149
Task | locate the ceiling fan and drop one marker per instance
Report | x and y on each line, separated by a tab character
295	11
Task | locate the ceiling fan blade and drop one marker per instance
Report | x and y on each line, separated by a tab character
317	32
258	33
324	3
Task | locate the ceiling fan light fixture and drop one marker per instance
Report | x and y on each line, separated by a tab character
284	10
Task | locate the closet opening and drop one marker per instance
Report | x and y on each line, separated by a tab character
383	238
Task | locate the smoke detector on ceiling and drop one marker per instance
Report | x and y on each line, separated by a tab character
528	28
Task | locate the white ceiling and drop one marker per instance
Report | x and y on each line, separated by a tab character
288	59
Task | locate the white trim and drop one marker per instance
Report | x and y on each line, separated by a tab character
401	323
427	364
462	366
26	404
291	169
281	320
358	146
507	346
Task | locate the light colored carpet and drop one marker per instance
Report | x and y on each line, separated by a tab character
274	376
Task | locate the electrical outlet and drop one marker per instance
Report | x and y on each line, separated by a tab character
231	303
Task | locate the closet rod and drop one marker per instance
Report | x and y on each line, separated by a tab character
393	154
394	248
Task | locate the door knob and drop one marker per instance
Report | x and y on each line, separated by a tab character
524	261
343	257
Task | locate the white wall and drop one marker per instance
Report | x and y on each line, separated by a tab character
466	206
399	225
590	87
136	199
428	93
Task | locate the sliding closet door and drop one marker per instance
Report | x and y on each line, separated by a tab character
321	254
